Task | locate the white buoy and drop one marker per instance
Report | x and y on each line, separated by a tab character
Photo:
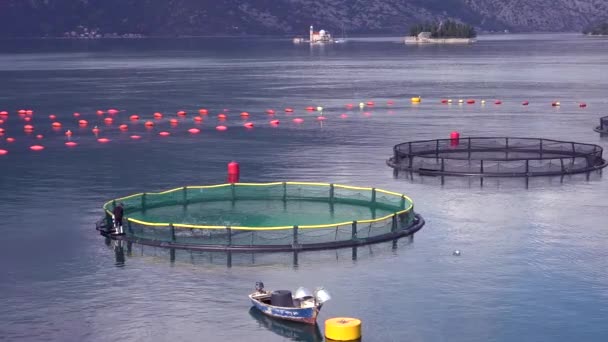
456	253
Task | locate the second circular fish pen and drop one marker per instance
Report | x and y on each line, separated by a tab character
496	157
266	217
603	127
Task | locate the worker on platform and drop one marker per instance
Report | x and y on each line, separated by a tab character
117	215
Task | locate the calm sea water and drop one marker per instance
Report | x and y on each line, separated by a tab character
534	259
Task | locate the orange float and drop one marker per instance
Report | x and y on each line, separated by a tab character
71	144
39	136
76	115
221	116
56	124
275	122
149	124
349	106
95	130
194	131
4	113
103	140
112	111
29	112
83	123
181	113
10	140
164	134
158	115
310	109
497	102
582	105
100	112
298	120
198	119
21	111
390	102
134	117
270	111
370	103
248	124
108	121
136	137
53	117
203	111
123	127
471	101
525	103
245	114
3	152
221	128
2	130
288	110
28	128
173	122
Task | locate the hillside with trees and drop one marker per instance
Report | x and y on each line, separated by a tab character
447	29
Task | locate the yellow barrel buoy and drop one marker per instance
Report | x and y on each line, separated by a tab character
416	99
343	329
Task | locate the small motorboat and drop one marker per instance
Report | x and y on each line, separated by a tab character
303	306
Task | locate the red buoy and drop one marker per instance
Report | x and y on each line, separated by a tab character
270	111
28	128
164	134
390	102
194	131
36	147
1	121
234	172
370	103
29	112
4	113
221	116
71	144
108	121
454	138
21	111
470	101
68	133
173	122
349	106
321	118
181	113
10	140
76	115
275	122
248	124
203	111
288	110
56	124
134	117
298	120
52	116
497	102
2	131
83	123
244	114
112	111
27	119
310	109
444	101
100	112
525	103
149	124
136	137
103	140
343	116
198	119
582	105
158	115
221	128
3	152
123	127
39	136
95	130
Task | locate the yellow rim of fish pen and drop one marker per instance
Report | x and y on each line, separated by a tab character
319	226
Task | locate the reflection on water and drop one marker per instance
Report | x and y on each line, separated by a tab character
290	330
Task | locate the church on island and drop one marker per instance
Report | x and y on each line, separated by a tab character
316	37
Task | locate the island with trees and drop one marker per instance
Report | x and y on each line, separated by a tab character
445	32
597	30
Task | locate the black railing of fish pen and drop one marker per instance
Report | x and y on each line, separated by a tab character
496	157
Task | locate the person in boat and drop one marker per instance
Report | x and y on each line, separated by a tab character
117	214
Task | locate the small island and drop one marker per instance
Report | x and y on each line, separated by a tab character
598	30
448	32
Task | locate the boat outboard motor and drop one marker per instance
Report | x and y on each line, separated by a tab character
321	295
281	298
259	286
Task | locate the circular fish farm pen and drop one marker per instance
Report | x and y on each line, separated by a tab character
264	217
603	127
496	157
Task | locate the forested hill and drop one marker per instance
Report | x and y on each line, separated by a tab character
22	18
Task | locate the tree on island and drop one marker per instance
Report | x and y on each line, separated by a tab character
446	29
598	30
